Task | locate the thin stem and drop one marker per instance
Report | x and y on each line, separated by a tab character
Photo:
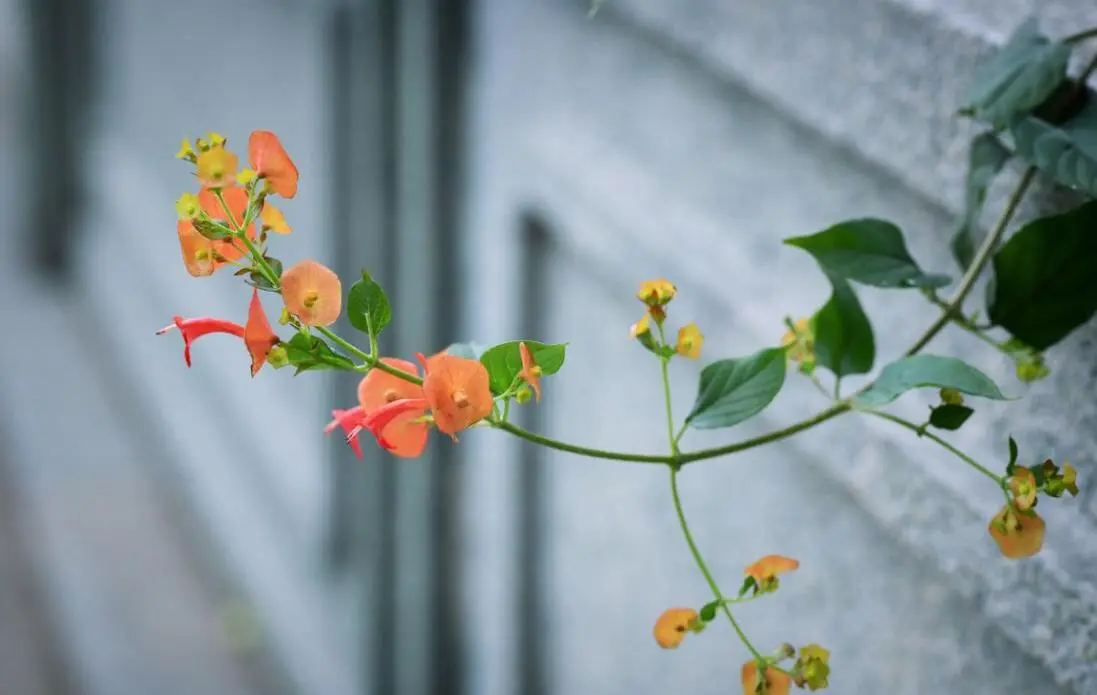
352	349
1081	36
703	567
929	435
517	431
982	256
768	438
964	323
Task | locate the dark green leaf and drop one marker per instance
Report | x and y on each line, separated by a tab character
920	371
368	307
307	352
734	390
256	279
1067	153
210	229
1013	453
868	251
504	361
748	584
1045	278
844	343
708	611
986	158
1018	78
949	416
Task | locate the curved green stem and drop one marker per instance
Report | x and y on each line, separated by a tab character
929	435
1081	36
963	322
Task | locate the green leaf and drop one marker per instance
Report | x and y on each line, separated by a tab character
1067	153
844	343
748	584
949	416
868	251
920	371
1018	78
308	352
213	231
504	361
1013	453
986	158
256	279
734	390
368	307
1045	279
708	611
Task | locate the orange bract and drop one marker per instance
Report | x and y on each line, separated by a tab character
770	566
269	159
1018	534
457	390
312	293
672	626
530	372
258	336
774	682
406	437
273	219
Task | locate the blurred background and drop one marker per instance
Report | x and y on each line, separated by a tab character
505	168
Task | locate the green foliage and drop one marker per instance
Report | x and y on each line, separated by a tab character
1018	78
734	390
210	229
256	279
1045	284
920	371
308	352
1067	153
368	307
986	158
1013	453
949	416
869	251
708	611
844	342
504	361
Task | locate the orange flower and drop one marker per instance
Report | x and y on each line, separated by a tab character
672	625
406	436
1023	485
765	571
269	159
774	682
1018	534
640	327
273	219
457	391
258	336
216	167
312	293
193	329
656	292
530	372
198	256
690	341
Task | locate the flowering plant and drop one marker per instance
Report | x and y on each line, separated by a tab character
1043	289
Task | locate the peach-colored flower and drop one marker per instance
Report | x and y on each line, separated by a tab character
773	682
1023	485
258	336
770	566
312	293
457	390
406	434
530	372
672	626
269	159
1018	534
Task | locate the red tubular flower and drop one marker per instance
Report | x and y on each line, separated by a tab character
351	422
258	336
193	329
397	414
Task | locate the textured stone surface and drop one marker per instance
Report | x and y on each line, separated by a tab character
647	161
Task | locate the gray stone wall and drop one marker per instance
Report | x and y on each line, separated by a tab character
686	139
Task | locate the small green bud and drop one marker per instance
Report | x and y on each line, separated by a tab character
523	396
951	396
278	357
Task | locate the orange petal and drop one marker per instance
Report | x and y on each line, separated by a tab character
197	250
776	682
269	159
457	390
380	388
1016	543
312	293
258	336
273	219
770	566
672	626
532	377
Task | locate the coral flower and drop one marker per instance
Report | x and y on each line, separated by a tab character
773	682
199	257
203	256
1018	534
351	421
405	434
312	293
530	372
457	390
193	329
269	159
258	336
273	219
672	626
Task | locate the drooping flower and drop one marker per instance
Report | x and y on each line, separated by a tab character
770	682
198	251
656	292
672	626
312	293
765	571
258	336
689	341
458	391
351	420
216	167
530	372
273	219
1023	485
193	329
1018	534
406	434
269	159
399	420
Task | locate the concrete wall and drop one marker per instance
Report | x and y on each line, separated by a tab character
686	139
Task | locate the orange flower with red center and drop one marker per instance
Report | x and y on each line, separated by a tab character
269	160
406	434
457	391
530	372
771	682
1018	534
258	336
672	626
765	571
312	293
